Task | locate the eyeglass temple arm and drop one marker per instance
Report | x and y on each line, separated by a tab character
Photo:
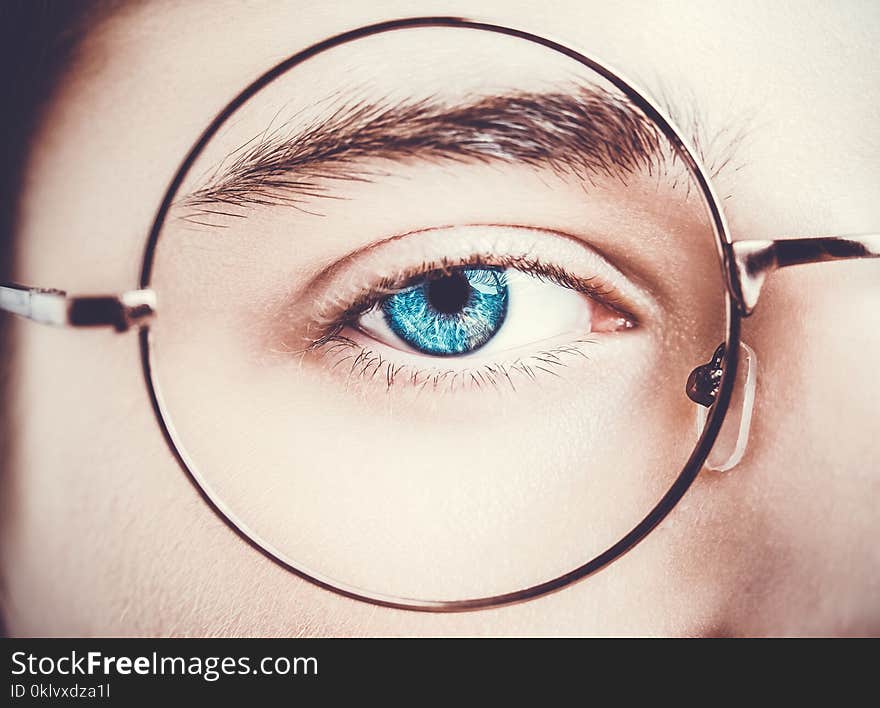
56	307
753	261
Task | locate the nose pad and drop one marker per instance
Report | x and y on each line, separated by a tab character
730	445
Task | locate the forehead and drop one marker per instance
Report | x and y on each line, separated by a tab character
147	84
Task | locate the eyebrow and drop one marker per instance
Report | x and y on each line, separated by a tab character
583	132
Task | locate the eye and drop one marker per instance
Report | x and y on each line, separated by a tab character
460	306
462	310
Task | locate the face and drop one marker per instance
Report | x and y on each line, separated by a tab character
423	333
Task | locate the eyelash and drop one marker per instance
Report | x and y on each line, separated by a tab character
333	323
367	364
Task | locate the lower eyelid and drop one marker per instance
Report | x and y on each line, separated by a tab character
360	362
365	363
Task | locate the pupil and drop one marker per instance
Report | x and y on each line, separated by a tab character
449	293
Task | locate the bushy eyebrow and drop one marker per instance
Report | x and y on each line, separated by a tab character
583	132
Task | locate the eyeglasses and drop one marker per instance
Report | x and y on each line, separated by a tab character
352	390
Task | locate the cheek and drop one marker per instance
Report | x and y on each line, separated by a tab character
105	534
111	538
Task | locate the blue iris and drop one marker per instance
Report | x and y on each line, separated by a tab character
449	313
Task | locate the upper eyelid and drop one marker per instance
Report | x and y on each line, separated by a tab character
535	268
580	242
353	275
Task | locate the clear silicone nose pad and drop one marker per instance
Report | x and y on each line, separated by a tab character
733	437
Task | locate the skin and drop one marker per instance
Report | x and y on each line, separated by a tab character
103	535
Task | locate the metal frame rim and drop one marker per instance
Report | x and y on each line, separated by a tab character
681	483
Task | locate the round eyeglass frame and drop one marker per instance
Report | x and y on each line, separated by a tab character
717	412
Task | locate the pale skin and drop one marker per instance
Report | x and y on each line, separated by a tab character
104	535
